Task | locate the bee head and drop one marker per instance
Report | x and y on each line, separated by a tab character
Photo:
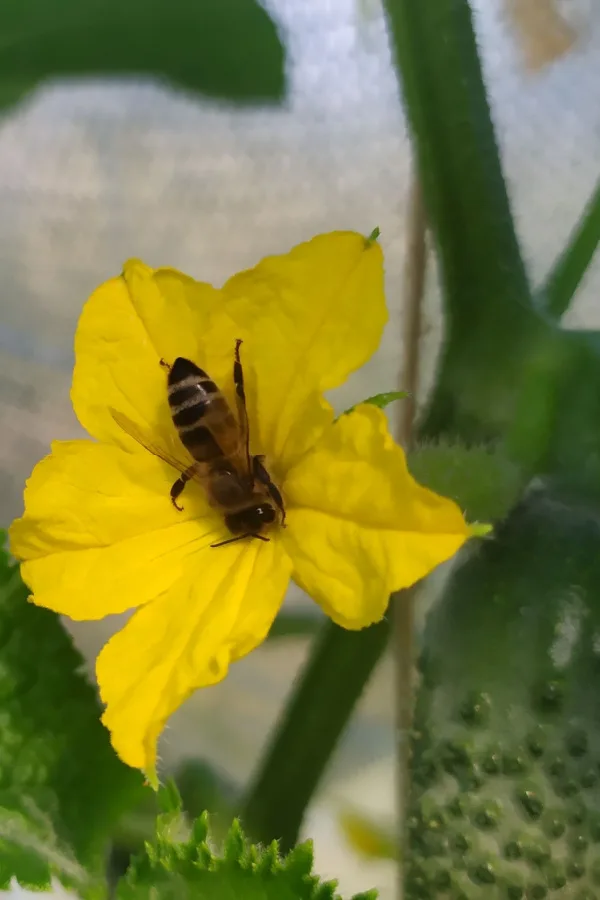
251	521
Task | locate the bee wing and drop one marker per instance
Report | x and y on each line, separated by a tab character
239	458
145	441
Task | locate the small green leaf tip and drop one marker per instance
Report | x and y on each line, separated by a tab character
168	797
151	779
380	400
383	400
374	235
478	529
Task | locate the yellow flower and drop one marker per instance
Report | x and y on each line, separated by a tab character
101	536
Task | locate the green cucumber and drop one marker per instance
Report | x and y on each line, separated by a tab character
505	768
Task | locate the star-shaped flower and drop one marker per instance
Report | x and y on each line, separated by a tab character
100	534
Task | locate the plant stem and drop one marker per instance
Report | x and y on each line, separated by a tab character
568	271
296	623
457	156
489	315
315	716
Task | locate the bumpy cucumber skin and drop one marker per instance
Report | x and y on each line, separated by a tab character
505	796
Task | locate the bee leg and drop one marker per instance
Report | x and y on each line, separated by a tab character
177	488
165	364
240	401
261	474
179	485
233	540
241	537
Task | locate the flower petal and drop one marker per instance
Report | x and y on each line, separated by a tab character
185	639
359	526
310	317
126	327
100	535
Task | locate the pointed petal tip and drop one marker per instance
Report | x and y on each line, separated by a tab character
132	263
151	778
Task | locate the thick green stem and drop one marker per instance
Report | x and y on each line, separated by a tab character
295	623
460	171
489	315
335	676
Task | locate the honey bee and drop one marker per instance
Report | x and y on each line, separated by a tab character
236	482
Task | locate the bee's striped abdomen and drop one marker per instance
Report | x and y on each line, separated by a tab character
198	409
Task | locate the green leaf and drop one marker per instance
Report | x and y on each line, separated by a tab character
555	428
490	321
383	400
62	789
568	271
482	480
169	798
224	49
327	691
505	779
181	863
380	400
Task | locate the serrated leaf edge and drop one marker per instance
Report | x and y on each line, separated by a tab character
236	852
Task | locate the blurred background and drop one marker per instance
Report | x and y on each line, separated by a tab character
94	170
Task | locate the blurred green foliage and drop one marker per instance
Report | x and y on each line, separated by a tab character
228	49
62	789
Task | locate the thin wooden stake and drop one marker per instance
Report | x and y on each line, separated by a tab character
403	602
